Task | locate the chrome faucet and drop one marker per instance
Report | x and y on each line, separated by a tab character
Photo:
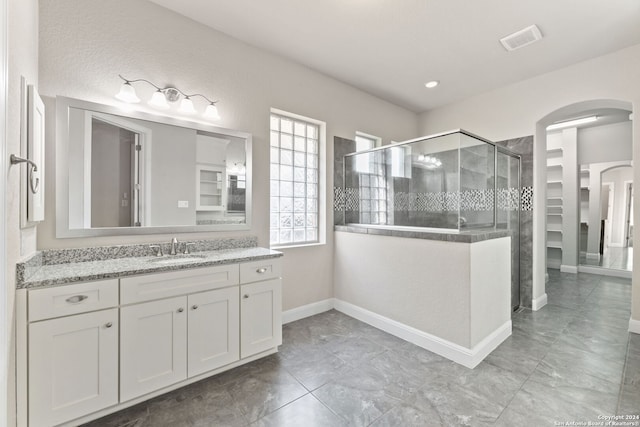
174	246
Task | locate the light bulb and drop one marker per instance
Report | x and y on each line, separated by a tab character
158	100
127	93
211	112
186	106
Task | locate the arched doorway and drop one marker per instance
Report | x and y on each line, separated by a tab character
565	113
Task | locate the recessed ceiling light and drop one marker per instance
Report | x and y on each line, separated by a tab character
572	123
432	84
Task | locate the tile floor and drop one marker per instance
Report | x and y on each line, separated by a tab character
571	361
614	258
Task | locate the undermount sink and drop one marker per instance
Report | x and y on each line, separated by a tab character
176	259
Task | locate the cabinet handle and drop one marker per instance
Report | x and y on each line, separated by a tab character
180	310
261	270
245	296
195	306
76	299
108	325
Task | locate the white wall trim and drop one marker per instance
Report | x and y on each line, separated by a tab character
459	354
605	271
4	317
593	256
538	303
307	310
569	269
634	326
616	245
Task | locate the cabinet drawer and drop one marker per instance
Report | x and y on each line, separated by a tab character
72	299
163	285
256	271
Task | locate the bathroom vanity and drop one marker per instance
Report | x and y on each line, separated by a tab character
118	328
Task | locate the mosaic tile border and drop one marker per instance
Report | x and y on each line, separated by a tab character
472	200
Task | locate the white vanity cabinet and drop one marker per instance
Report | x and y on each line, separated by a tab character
72	358
214	330
166	340
97	347
261	306
153	346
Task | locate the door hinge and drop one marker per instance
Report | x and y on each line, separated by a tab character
138	147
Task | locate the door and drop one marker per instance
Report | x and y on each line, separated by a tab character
508	213
260	316
72	361
214	330
153	346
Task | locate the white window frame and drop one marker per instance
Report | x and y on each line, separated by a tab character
322	180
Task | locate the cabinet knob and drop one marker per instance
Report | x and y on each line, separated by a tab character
245	296
180	310
195	306
108	325
261	270
76	299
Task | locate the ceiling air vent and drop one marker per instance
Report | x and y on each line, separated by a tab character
521	38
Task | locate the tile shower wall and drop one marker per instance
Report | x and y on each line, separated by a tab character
524	147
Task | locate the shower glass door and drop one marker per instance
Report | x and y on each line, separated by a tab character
508	212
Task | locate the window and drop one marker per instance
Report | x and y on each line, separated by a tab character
365	142
296	177
373	185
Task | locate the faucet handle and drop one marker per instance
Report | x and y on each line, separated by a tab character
174	246
158	249
186	248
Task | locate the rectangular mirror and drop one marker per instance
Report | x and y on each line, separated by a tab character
123	173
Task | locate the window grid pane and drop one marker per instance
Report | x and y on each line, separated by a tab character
294	181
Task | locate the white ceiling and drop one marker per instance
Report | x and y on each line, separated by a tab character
390	48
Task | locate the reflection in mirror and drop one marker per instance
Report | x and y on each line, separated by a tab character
606	215
137	173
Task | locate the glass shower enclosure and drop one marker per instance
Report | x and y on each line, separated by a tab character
446	183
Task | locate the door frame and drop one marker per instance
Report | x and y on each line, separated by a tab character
4	320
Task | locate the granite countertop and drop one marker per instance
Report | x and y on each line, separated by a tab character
45	275
467	236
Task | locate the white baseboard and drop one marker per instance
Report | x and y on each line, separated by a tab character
634	326
459	354
595	256
307	310
538	303
605	271
569	269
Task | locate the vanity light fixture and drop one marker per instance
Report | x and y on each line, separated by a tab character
572	123
164	96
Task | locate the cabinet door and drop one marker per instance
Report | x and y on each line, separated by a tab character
72	361
260	317
153	346
214	329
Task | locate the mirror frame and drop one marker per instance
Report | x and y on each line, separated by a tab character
63	104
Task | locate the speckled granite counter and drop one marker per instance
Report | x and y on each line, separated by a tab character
57	267
467	236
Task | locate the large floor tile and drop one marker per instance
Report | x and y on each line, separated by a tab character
260	394
358	397
306	411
